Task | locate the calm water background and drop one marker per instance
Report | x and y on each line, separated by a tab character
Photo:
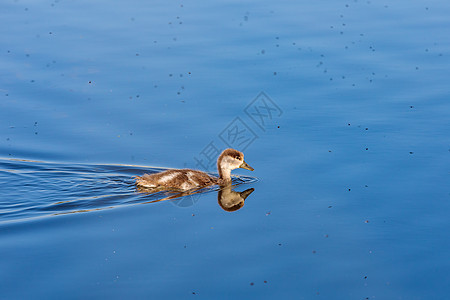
352	198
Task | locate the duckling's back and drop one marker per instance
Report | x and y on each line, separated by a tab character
184	179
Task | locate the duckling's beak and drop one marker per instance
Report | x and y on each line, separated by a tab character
244	165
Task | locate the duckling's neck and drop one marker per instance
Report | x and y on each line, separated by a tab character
224	175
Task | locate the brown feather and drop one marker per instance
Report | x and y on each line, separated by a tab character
186	179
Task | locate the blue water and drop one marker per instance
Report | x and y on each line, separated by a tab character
342	108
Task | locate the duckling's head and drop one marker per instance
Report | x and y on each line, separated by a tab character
231	159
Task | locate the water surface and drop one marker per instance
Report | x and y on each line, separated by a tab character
350	147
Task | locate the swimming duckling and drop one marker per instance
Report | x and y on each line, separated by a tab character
186	179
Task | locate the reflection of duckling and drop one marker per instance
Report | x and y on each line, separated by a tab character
186	179
230	200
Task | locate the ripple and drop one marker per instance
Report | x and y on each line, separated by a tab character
32	189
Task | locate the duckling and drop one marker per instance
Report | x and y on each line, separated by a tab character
186	179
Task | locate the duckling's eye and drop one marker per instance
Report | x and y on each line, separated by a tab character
238	158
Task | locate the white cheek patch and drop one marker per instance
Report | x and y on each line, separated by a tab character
227	163
231	163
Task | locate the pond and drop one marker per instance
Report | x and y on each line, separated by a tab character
341	107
